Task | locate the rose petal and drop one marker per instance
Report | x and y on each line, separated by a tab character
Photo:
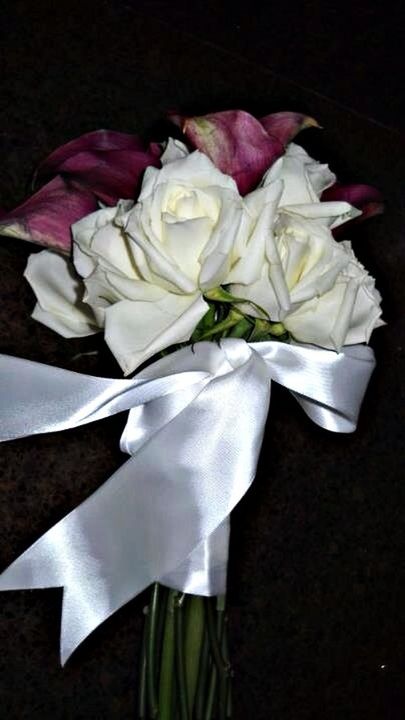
260	292
304	178
248	267
174	150
103	289
286	125
364	197
58	290
46	217
314	320
332	213
82	234
161	263
195	169
236	143
137	330
98	140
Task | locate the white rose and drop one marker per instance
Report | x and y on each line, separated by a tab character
344	315
305	279
146	266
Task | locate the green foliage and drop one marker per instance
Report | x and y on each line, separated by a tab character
223	319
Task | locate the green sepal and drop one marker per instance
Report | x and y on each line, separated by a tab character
205	324
242	329
221	329
221	295
264	330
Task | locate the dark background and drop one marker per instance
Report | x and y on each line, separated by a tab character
316	597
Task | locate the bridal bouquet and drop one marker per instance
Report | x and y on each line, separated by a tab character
212	266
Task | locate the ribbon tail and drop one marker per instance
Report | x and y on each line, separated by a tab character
87	604
165	503
67	556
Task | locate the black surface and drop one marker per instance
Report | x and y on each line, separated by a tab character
316	579
350	52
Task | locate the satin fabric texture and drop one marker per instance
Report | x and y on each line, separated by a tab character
194	430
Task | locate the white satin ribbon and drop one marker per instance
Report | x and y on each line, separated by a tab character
194	431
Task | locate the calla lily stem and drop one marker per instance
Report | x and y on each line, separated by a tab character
215	629
167	676
203	675
193	644
179	656
142	682
151	652
185	670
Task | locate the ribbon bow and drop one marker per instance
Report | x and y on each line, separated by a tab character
194	431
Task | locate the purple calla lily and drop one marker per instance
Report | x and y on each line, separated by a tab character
108	163
101	165
364	197
45	218
286	125
236	143
95	141
111	175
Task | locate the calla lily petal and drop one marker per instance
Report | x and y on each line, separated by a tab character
364	197
96	141
108	163
46	217
286	125
109	175
235	142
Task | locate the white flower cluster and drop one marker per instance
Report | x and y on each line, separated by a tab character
141	269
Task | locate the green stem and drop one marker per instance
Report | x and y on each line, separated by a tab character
224	675
142	681
215	628
225	650
229	703
223	698
160	628
212	688
167	677
179	656
185	657
220	671
151	652
225	683
233	317
193	643
202	685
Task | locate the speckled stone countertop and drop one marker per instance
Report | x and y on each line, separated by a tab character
316	583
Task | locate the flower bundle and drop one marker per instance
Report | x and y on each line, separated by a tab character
230	236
